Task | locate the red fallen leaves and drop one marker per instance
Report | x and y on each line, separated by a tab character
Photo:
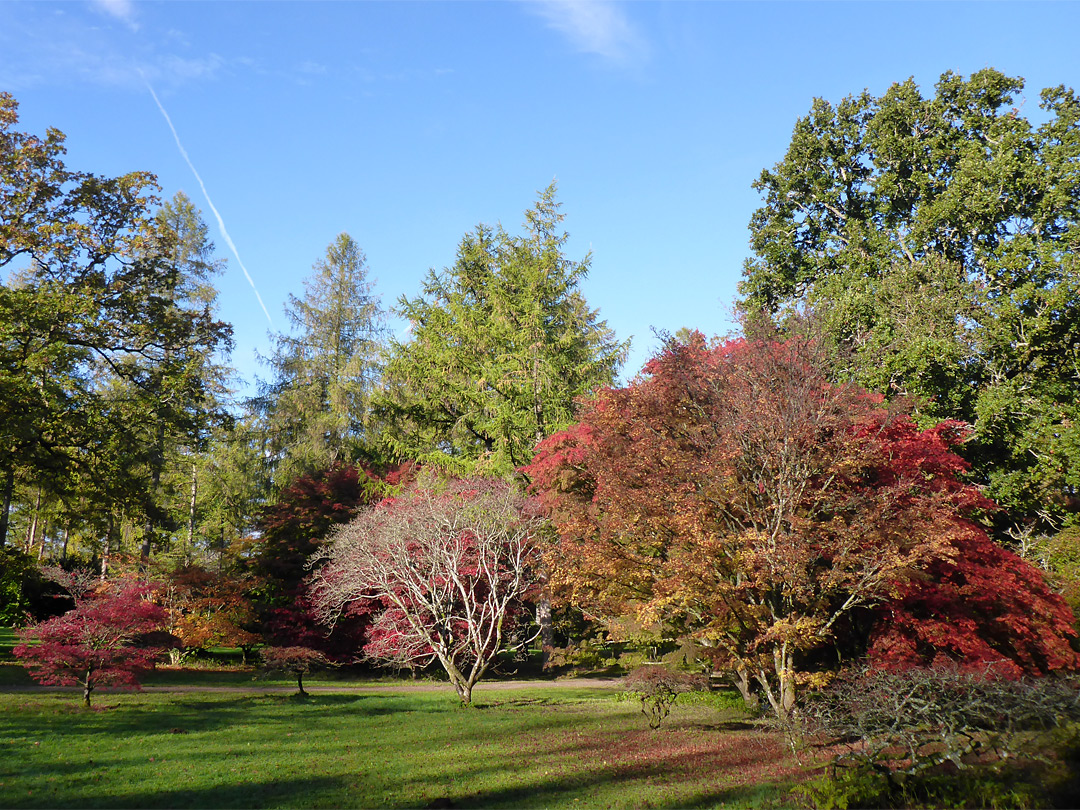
100	642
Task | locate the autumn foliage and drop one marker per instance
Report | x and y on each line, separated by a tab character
444	568
292	528
734	493
107	639
297	661
985	608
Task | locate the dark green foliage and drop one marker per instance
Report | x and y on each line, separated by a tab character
935	240
501	344
25	595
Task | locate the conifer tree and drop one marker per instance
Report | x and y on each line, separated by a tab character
501	344
324	370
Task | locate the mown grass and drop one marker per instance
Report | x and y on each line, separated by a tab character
550	747
9	637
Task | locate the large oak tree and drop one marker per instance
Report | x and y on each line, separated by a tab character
936	238
104	345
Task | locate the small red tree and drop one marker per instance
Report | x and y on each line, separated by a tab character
449	567
298	661
103	641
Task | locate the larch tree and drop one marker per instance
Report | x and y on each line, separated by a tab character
500	346
324	371
936	239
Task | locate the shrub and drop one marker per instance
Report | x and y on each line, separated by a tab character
939	737
658	688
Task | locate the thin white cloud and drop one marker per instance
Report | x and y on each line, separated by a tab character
593	26
206	194
123	10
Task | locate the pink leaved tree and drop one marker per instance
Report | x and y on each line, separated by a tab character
107	639
449	567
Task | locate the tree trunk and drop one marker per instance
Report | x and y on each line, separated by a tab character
547	632
67	531
191	512
88	687
782	699
31	532
41	544
300	683
107	549
742	683
464	690
157	461
5	509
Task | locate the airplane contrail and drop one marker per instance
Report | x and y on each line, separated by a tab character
202	185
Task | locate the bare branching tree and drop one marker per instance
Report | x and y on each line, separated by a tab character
449	567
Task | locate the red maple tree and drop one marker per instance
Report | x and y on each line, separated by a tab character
444	569
106	640
735	494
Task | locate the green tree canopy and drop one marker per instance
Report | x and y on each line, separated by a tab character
324	371
935	240
102	351
500	345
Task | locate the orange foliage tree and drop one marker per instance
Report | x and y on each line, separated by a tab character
736	494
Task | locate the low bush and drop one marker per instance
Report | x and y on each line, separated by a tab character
658	687
941	737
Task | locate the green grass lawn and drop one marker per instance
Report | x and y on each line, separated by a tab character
8	639
550	747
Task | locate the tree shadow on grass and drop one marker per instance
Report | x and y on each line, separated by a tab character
179	714
308	792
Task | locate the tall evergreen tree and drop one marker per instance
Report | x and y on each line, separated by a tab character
181	399
501	344
324	371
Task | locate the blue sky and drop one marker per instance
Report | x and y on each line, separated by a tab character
408	123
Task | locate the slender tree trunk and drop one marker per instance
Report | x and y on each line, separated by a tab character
41	544
157	461
108	548
67	532
547	632
5	509
191	512
88	687
31	531
300	682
